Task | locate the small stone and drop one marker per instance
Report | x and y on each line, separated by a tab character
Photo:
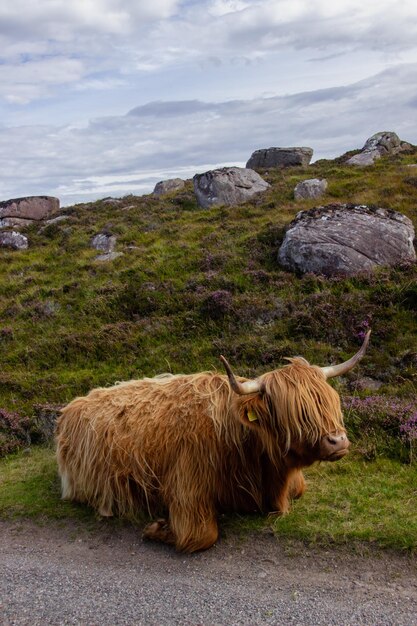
108	256
112	201
103	242
311	188
56	220
13	240
14	222
168	186
366	383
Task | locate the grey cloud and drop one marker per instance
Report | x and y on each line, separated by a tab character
170	109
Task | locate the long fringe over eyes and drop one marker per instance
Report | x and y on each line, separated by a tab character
303	407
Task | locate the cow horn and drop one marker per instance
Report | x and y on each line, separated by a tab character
342	368
250	386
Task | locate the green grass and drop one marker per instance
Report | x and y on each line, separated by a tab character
29	488
348	501
356	500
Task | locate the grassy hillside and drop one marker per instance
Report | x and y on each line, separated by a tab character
194	283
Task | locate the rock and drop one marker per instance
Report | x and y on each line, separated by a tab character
112	201
12	239
30	207
280	157
311	188
56	220
108	256
45	417
104	243
50	308
366	383
380	144
346	239
14	222
364	158
228	185
168	186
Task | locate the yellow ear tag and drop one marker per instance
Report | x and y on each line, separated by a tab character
252	417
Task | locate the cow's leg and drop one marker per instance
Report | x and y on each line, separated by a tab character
194	528
288	488
159	531
185	529
297	484
192	523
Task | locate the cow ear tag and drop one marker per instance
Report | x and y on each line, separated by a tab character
251	416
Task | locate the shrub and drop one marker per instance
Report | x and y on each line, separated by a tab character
383	425
218	304
14	432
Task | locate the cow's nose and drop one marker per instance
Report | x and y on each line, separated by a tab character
333	446
335	440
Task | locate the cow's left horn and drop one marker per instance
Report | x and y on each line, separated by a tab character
249	386
342	368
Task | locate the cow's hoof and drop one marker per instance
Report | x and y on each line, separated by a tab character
158	531
105	512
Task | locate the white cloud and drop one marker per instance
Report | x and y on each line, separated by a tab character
132	37
129	153
22	82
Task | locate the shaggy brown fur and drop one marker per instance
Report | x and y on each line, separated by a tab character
184	446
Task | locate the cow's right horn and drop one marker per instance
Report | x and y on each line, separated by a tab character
342	368
249	386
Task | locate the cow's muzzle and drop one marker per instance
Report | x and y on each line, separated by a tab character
334	446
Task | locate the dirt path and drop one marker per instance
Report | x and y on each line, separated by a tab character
66	575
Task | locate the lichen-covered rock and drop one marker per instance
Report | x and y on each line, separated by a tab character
229	186
280	157
379	145
168	186
103	242
346	239
13	240
30	207
311	188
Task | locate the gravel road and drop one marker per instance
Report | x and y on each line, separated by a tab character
67	575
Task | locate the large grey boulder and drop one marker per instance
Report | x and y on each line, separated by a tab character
168	186
30	207
346	239
228	185
380	144
13	240
311	188
280	157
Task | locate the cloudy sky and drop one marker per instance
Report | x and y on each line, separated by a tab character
106	97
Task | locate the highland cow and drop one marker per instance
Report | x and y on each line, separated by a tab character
191	446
